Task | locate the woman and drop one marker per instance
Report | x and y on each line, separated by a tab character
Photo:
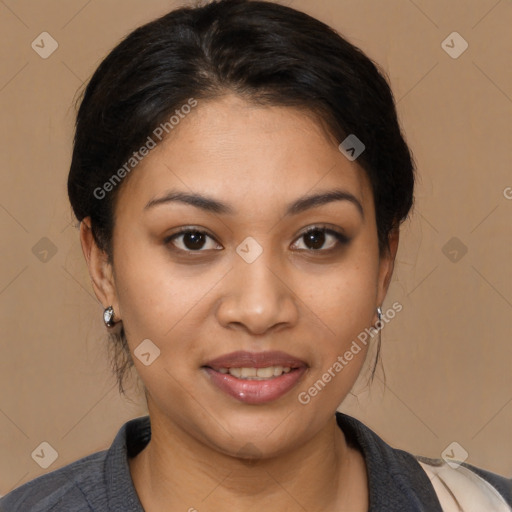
240	178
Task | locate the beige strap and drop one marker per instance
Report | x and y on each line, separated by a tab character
462	490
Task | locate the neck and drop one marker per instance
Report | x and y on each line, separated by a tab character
185	474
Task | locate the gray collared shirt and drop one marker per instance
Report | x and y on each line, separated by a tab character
102	481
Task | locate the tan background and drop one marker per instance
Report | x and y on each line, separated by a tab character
447	355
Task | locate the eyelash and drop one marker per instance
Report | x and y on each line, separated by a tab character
340	237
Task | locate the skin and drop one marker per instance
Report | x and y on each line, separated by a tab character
195	306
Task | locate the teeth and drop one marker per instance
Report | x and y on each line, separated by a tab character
256	373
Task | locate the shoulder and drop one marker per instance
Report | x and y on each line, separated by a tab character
407	481
100	481
466	487
71	488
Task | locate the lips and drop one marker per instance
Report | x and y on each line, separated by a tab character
243	359
255	392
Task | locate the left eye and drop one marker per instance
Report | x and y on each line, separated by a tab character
316	237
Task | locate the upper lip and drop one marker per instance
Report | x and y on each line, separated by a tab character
243	359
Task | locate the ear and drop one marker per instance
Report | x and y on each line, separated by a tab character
100	269
386	265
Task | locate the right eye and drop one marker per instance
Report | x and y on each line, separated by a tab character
193	240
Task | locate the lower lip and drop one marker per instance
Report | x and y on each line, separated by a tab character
256	391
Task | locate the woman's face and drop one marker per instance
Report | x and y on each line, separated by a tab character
253	283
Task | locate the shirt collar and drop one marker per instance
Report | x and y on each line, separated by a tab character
396	480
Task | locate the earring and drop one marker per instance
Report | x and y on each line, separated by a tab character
108	316
379	313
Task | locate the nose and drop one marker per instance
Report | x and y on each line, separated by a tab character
257	297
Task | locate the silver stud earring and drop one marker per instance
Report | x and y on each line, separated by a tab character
108	316
379	313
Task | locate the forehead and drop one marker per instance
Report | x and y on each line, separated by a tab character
254	157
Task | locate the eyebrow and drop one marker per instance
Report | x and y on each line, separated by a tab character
301	204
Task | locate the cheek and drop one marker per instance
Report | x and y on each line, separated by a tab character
151	299
345	304
346	310
345	298
166	303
